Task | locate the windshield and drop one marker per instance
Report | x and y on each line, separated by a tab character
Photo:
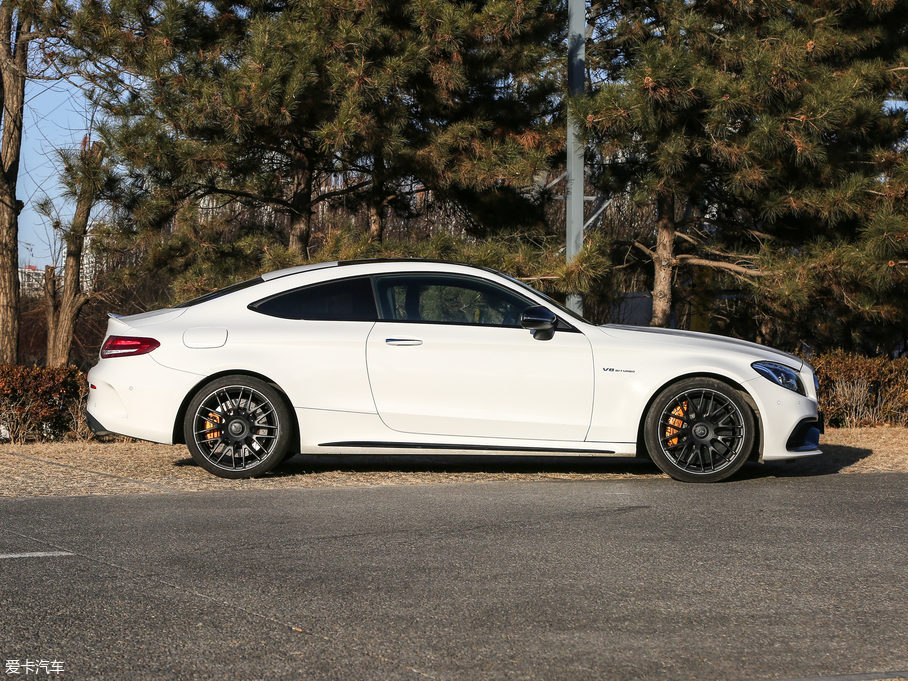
548	299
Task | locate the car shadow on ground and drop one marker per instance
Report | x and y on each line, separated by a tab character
486	463
834	459
302	464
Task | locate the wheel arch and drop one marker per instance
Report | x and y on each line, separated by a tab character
755	455
181	412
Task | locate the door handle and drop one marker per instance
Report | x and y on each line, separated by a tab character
403	341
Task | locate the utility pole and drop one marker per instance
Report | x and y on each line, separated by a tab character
574	202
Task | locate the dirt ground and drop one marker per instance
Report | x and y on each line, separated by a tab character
86	468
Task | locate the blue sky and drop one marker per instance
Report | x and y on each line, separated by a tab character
55	117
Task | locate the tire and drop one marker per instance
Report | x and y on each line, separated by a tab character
699	430
238	427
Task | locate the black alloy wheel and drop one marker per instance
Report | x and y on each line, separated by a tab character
238	427
699	430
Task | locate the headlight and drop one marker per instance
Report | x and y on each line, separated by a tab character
780	375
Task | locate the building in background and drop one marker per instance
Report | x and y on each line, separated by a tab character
30	281
31	278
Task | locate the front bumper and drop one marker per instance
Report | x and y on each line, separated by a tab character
791	422
806	435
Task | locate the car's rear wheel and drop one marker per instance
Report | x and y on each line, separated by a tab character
238	427
699	430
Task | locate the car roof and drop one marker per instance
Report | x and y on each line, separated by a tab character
269	276
276	274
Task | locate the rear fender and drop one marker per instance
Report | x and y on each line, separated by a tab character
181	413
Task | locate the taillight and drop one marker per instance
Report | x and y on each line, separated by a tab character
127	346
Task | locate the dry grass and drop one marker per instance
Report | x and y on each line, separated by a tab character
864	450
85	468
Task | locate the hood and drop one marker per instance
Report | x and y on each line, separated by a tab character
703	341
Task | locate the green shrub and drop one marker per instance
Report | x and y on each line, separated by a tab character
40	404
862	391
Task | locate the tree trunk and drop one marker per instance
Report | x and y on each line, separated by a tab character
376	221
301	209
52	314
300	230
664	262
9	281
377	200
15	30
62	311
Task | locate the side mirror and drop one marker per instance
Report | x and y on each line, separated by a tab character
541	321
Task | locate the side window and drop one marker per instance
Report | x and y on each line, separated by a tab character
344	300
448	299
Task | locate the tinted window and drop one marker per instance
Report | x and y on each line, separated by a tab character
553	302
345	300
448	299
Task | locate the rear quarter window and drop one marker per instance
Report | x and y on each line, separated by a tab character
349	300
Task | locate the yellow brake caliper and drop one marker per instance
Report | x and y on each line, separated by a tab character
215	420
675	422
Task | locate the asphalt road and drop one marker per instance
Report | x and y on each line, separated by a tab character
641	579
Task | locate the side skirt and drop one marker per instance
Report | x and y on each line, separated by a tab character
461	447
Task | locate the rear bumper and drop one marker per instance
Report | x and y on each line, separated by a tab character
137	397
95	426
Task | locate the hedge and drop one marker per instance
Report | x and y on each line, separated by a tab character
41	404
862	391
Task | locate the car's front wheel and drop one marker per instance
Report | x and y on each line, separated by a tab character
699	430
237	427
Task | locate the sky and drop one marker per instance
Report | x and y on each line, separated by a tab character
56	116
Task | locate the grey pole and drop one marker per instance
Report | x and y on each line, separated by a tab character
574	202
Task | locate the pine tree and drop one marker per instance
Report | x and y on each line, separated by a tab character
213	103
753	126
451	97
269	104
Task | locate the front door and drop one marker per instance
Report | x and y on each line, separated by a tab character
449	358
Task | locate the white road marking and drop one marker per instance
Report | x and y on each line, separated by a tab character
36	554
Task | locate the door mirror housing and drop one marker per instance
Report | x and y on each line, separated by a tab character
540	321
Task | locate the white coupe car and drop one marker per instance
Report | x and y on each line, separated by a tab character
382	356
